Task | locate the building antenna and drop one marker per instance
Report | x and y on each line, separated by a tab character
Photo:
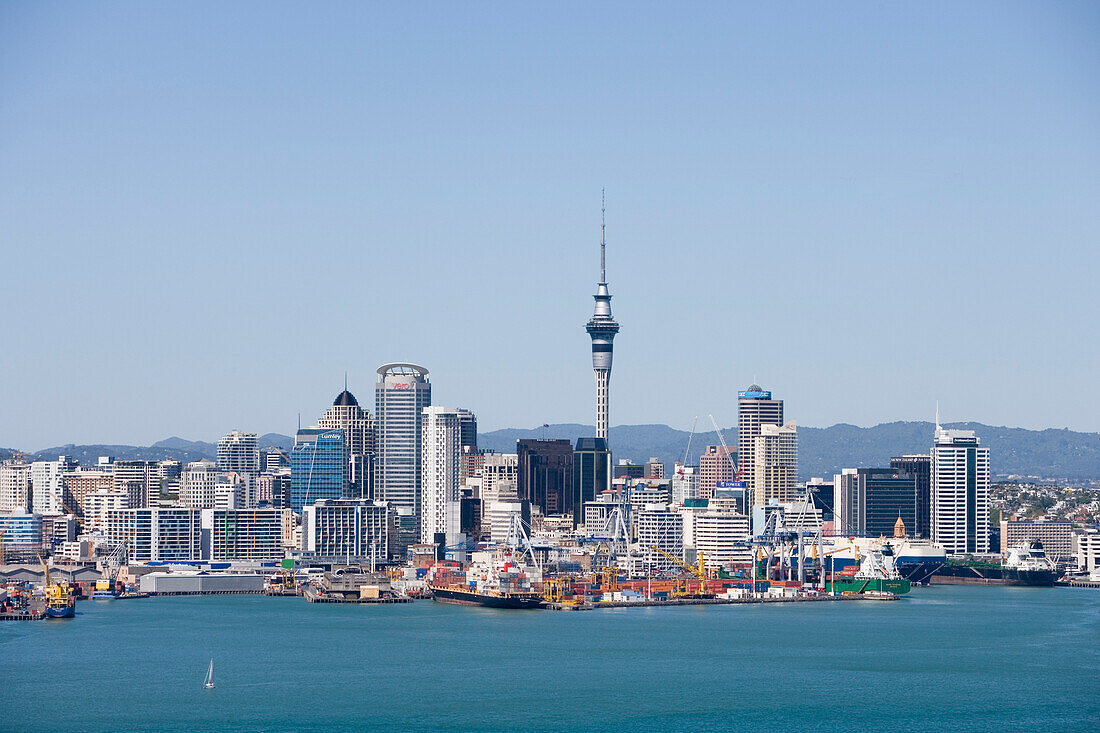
603	235
299	420
937	414
345	380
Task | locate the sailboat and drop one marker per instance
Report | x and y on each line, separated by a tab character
209	683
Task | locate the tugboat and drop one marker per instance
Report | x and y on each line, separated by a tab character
1028	564
60	602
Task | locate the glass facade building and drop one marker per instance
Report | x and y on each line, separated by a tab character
317	467
591	473
400	396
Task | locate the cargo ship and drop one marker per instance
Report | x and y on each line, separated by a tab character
495	580
876	574
60	601
915	559
1028	564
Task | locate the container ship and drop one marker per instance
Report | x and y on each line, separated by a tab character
494	580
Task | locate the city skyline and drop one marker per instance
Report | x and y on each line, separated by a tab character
169	222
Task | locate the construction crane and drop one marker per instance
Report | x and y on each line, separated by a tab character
681	464
736	470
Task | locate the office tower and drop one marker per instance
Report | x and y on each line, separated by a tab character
467	429
440	509
499	516
358	426
627	469
775	464
47	487
230	491
755	407
499	477
338	528
546	474
602	329
143	474
238	453
716	467
919	468
317	467
819	493
400	396
15	487
870	501
78	484
98	504
155	534
591	473
197	482
654	468
722	537
960	492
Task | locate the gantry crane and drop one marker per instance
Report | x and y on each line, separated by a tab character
699	571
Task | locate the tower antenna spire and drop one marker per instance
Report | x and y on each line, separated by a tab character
345	380
603	235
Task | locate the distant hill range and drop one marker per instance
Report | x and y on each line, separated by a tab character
1054	454
824	451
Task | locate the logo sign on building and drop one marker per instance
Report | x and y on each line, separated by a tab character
731	484
400	385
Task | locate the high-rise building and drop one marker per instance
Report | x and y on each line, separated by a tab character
15	486
775	464
317	467
197	482
654	468
156	534
591	474
722	538
358	426
400	396
716	465
48	488
960	492
602	329
658	526
238	453
870	501
755	407
243	534
440	512
145	473
918	467
685	483
169	473
546	474
819	493
79	483
339	528
499	477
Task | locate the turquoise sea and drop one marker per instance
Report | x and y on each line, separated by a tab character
942	658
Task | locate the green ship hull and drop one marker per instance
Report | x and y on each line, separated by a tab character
863	585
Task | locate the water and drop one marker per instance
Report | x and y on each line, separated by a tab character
950	657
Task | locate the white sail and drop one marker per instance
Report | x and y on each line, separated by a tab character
209	676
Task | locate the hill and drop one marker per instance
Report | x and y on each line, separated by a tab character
824	451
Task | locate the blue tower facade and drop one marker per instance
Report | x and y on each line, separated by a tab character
318	468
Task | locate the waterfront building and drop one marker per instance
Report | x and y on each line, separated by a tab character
685	483
244	534
157	534
654	468
870	501
802	516
22	528
1055	534
47	487
197	481
918	467
819	492
596	512
755	407
722	537
545	474
775	464
960	492
339	528
318	468
440	514
658	526
400	396
591	473
601	329
1086	548
717	466
15	486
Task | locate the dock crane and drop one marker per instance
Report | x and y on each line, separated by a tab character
700	571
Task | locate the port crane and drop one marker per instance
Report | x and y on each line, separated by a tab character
700	571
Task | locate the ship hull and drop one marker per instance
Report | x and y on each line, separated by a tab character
471	598
60	612
897	586
1038	578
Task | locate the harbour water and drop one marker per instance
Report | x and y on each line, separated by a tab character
959	658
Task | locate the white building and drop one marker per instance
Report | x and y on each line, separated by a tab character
99	504
339	528
722	538
197	483
775	464
500	515
231	491
15	486
157	534
244	534
439	483
48	486
960	492
658	526
1086	546
685	483
499	477
239	454
145	473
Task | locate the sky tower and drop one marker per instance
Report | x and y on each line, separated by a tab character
602	329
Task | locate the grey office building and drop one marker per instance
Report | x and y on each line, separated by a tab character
400	396
546	474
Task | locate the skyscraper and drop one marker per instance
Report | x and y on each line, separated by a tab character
441	434
960	492
546	474
358	426
869	501
755	407
775	464
400	396
918	467
238	453
591	473
602	329
715	467
317	467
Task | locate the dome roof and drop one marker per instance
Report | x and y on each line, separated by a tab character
345	399
755	388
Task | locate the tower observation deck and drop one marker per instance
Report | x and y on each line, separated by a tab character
602	328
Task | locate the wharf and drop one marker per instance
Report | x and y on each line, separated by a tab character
314	597
715	601
1077	584
22	616
199	593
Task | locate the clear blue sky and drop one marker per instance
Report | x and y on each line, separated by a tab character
210	211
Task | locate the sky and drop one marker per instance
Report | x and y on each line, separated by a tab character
210	212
